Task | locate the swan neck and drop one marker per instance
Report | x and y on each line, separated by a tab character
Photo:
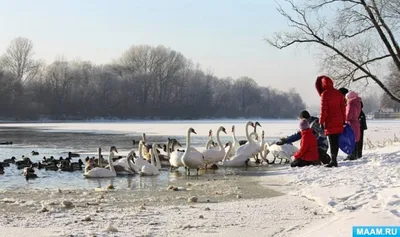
188	141
247	131
219	141
226	154
158	164
168	151
110	162
140	150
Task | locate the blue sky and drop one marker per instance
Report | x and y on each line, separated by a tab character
224	36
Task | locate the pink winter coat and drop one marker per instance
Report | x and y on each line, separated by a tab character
353	110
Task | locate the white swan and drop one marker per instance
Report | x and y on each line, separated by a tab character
283	152
235	145
98	172
251	147
236	160
192	159
140	161
175	159
212	156
124	166
210	141
152	169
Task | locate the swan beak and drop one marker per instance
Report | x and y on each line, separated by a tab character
258	124
194	132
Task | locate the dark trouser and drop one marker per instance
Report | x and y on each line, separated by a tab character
359	145
323	156
334	146
302	163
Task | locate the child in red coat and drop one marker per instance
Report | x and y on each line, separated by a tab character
308	152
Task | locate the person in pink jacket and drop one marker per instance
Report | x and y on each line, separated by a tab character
353	110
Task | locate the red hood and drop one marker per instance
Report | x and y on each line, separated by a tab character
323	83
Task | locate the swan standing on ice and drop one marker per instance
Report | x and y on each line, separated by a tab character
192	158
214	155
98	172
155	166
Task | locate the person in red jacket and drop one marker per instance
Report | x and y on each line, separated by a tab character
333	114
308	152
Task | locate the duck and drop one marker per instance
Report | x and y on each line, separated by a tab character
29	173
70	154
35	153
192	158
10	161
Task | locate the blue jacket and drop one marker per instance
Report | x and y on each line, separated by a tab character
317	131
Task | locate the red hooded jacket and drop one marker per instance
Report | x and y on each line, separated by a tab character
333	109
308	146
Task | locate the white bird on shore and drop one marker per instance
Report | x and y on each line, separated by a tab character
192	158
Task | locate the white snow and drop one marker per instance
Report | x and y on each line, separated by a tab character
317	201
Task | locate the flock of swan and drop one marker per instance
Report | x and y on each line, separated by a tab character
234	153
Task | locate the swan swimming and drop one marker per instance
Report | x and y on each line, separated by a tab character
155	166
98	172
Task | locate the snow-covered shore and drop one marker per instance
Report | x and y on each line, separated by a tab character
317	202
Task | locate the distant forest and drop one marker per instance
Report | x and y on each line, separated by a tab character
145	82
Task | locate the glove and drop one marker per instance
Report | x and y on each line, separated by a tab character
281	142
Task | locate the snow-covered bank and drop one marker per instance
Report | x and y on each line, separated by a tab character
361	192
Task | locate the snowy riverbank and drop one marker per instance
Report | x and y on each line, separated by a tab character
318	202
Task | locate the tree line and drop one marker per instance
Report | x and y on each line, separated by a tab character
145	82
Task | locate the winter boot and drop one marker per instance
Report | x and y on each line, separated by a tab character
333	162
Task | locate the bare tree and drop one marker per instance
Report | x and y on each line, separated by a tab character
19	60
355	42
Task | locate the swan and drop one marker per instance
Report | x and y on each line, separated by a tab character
212	156
242	142
236	160
236	143
192	159
151	169
125	166
140	161
251	147
210	141
282	152
98	172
